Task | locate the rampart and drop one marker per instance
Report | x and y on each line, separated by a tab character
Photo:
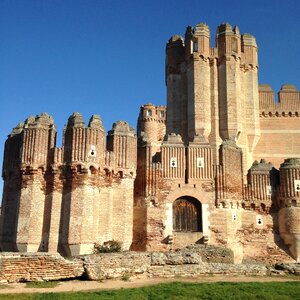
189	262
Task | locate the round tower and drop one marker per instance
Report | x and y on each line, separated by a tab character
152	125
289	203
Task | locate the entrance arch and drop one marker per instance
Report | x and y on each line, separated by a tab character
187	215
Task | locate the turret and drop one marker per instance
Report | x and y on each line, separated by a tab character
12	152
262	184
228	44
201	39
73	141
289	203
81	144
198	86
289	96
121	139
228	41
175	81
249	48
38	138
175	51
152	125
28	155
249	59
95	140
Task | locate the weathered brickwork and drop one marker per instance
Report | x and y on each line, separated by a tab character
67	199
219	165
16	267
192	261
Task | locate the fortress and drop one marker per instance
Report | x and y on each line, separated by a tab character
219	165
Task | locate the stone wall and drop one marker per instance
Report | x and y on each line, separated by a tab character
192	261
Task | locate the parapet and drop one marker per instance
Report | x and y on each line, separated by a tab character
229	43
173	139
175	41
288	101
248	40
224	28
76	120
261	166
42	120
96	122
202	29
290	163
288	88
121	128
17	130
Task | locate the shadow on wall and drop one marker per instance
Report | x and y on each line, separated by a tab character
277	239
64	224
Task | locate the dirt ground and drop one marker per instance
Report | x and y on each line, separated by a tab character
77	285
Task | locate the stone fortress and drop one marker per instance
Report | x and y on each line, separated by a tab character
219	165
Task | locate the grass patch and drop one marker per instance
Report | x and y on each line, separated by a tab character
182	290
42	284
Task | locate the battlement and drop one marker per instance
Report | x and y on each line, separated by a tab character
229	42
288	104
150	112
32	144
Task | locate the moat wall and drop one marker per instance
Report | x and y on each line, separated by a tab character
188	262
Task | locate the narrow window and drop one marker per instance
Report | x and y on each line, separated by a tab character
161	114
195	47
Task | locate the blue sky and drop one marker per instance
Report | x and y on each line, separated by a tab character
107	57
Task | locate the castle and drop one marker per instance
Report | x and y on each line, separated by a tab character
220	165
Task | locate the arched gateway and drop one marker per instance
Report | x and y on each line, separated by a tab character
187	215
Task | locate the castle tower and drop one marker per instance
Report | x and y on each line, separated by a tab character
213	92
123	142
11	189
229	55
289	203
250	88
33	141
176	87
83	154
198	84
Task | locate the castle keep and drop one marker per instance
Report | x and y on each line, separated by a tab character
220	165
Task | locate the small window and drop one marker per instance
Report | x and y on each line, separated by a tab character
149	113
200	162
92	152
195	46
173	162
161	114
234	216
259	220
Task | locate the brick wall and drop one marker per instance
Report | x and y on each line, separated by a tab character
16	267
